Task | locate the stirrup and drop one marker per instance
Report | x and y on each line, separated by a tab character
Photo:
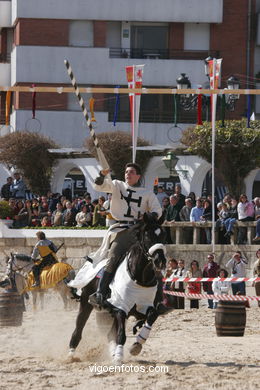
36	284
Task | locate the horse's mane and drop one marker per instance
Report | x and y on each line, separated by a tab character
22	257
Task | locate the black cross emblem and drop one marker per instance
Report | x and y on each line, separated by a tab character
128	200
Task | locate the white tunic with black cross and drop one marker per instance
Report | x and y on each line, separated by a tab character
129	203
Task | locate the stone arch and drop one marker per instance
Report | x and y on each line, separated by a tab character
4	174
249	182
88	166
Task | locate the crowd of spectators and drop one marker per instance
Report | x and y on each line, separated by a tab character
62	210
235	267
53	209
176	207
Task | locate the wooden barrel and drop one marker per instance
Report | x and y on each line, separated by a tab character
230	318
11	309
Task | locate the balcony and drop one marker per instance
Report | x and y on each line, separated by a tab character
195	11
5	13
93	66
162	54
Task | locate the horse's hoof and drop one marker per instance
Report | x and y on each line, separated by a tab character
117	360
135	349
71	356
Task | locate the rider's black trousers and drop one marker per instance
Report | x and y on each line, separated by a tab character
37	268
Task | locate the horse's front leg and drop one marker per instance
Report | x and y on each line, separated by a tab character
120	318
142	336
41	295
111	337
85	310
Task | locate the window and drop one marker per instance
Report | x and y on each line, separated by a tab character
81	33
196	36
149	41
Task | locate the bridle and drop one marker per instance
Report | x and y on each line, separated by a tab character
14	264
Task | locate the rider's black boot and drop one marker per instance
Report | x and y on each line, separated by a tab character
36	283
98	298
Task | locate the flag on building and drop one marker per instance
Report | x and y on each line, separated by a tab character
134	74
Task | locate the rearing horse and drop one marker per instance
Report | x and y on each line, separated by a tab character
133	290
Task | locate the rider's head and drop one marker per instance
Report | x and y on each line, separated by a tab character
41	235
132	174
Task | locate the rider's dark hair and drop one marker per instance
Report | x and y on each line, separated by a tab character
41	235
135	166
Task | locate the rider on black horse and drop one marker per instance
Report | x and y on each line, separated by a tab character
46	249
129	202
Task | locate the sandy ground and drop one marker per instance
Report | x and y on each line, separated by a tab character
183	346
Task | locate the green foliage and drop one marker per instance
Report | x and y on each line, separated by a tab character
28	153
237	149
5	210
116	147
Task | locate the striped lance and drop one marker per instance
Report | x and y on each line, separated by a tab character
101	157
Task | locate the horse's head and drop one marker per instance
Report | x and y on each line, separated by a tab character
157	254
152	230
18	262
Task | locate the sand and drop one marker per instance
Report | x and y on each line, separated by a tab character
183	351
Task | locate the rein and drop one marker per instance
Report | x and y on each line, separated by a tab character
13	263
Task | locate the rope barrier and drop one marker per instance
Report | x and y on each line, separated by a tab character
177	279
218	297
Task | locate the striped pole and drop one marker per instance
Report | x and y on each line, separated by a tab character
101	157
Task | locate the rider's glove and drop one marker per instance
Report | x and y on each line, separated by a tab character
100	179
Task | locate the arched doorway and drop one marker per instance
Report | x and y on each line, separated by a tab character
74	183
220	188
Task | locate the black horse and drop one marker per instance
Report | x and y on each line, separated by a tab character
142	264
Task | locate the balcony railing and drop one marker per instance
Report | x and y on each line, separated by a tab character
190	232
155	116
162	54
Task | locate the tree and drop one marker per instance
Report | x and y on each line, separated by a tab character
237	150
116	146
28	153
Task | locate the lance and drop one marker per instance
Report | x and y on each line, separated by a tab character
100	154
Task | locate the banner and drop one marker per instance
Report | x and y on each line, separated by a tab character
215	73
134	74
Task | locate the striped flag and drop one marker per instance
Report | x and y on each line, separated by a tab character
134	74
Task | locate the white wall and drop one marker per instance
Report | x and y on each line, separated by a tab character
93	66
166	10
68	128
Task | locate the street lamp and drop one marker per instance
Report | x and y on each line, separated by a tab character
230	100
170	161
189	102
186	101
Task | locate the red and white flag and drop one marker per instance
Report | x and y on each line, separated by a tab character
134	74
215	73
